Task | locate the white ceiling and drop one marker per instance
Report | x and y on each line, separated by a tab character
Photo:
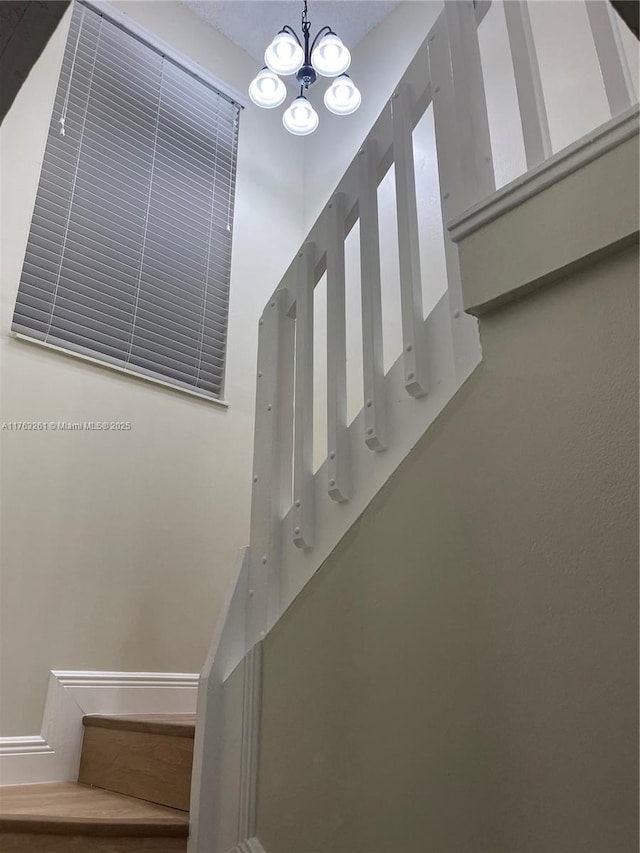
251	24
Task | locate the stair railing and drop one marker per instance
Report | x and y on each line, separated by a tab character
289	509
298	516
294	510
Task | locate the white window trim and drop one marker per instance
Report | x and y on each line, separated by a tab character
104	7
122	370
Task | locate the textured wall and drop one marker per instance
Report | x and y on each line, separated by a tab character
461	675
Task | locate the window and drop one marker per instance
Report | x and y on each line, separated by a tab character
129	253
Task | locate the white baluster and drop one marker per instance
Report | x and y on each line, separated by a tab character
285	411
478	181
303	493
611	56
533	114
283	480
337	437
413	339
466	342
265	511
375	415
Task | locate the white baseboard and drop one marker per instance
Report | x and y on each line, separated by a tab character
251	845
54	755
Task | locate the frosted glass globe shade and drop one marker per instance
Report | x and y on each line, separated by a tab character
284	55
343	96
330	57
267	89
301	118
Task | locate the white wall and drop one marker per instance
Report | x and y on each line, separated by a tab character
116	547
378	62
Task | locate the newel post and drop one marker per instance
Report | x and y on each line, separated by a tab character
275	355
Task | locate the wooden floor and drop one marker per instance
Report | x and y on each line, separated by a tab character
20	843
132	794
58	806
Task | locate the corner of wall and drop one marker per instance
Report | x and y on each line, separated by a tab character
378	62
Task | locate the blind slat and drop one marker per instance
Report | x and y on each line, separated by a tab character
128	257
88	236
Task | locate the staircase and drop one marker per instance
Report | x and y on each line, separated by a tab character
132	792
133	788
299	511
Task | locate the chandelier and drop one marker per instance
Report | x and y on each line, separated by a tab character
326	56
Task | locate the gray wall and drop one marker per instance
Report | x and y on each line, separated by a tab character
461	675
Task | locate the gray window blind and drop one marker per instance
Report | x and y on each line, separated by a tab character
129	252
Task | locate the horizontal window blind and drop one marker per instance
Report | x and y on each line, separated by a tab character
129	253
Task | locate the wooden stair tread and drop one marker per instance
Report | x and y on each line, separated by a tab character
178	725
61	808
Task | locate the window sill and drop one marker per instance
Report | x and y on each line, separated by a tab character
122	370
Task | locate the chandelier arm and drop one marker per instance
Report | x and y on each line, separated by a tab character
288	29
324	31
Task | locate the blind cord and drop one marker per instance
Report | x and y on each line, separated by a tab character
63	114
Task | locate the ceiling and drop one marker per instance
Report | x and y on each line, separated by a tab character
251	24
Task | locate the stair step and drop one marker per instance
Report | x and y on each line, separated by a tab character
179	725
148	756
70	816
